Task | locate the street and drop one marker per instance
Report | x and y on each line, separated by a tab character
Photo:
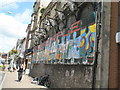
10	81
2	75
63	44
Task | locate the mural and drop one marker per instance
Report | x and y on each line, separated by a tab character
75	45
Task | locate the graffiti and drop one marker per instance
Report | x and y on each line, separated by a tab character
75	45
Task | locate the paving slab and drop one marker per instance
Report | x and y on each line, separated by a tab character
11	81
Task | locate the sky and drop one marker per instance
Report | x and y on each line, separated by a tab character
15	15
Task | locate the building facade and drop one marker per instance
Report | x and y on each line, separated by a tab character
67	33
74	42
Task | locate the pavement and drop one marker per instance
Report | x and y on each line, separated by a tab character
2	76
9	80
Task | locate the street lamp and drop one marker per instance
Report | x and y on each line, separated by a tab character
9	12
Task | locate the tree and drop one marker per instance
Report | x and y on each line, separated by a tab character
42	10
14	51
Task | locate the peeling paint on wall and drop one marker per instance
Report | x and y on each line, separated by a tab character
67	73
72	73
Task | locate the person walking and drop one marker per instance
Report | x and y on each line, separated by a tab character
18	62
20	72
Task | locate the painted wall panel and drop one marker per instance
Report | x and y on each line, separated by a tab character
75	45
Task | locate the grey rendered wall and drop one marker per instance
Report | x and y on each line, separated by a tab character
65	76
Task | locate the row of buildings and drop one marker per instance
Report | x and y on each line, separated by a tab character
74	42
24	47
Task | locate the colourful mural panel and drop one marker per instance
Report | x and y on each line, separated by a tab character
77	46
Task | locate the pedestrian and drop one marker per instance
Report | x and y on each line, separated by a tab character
14	66
18	62
9	60
3	63
20	72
